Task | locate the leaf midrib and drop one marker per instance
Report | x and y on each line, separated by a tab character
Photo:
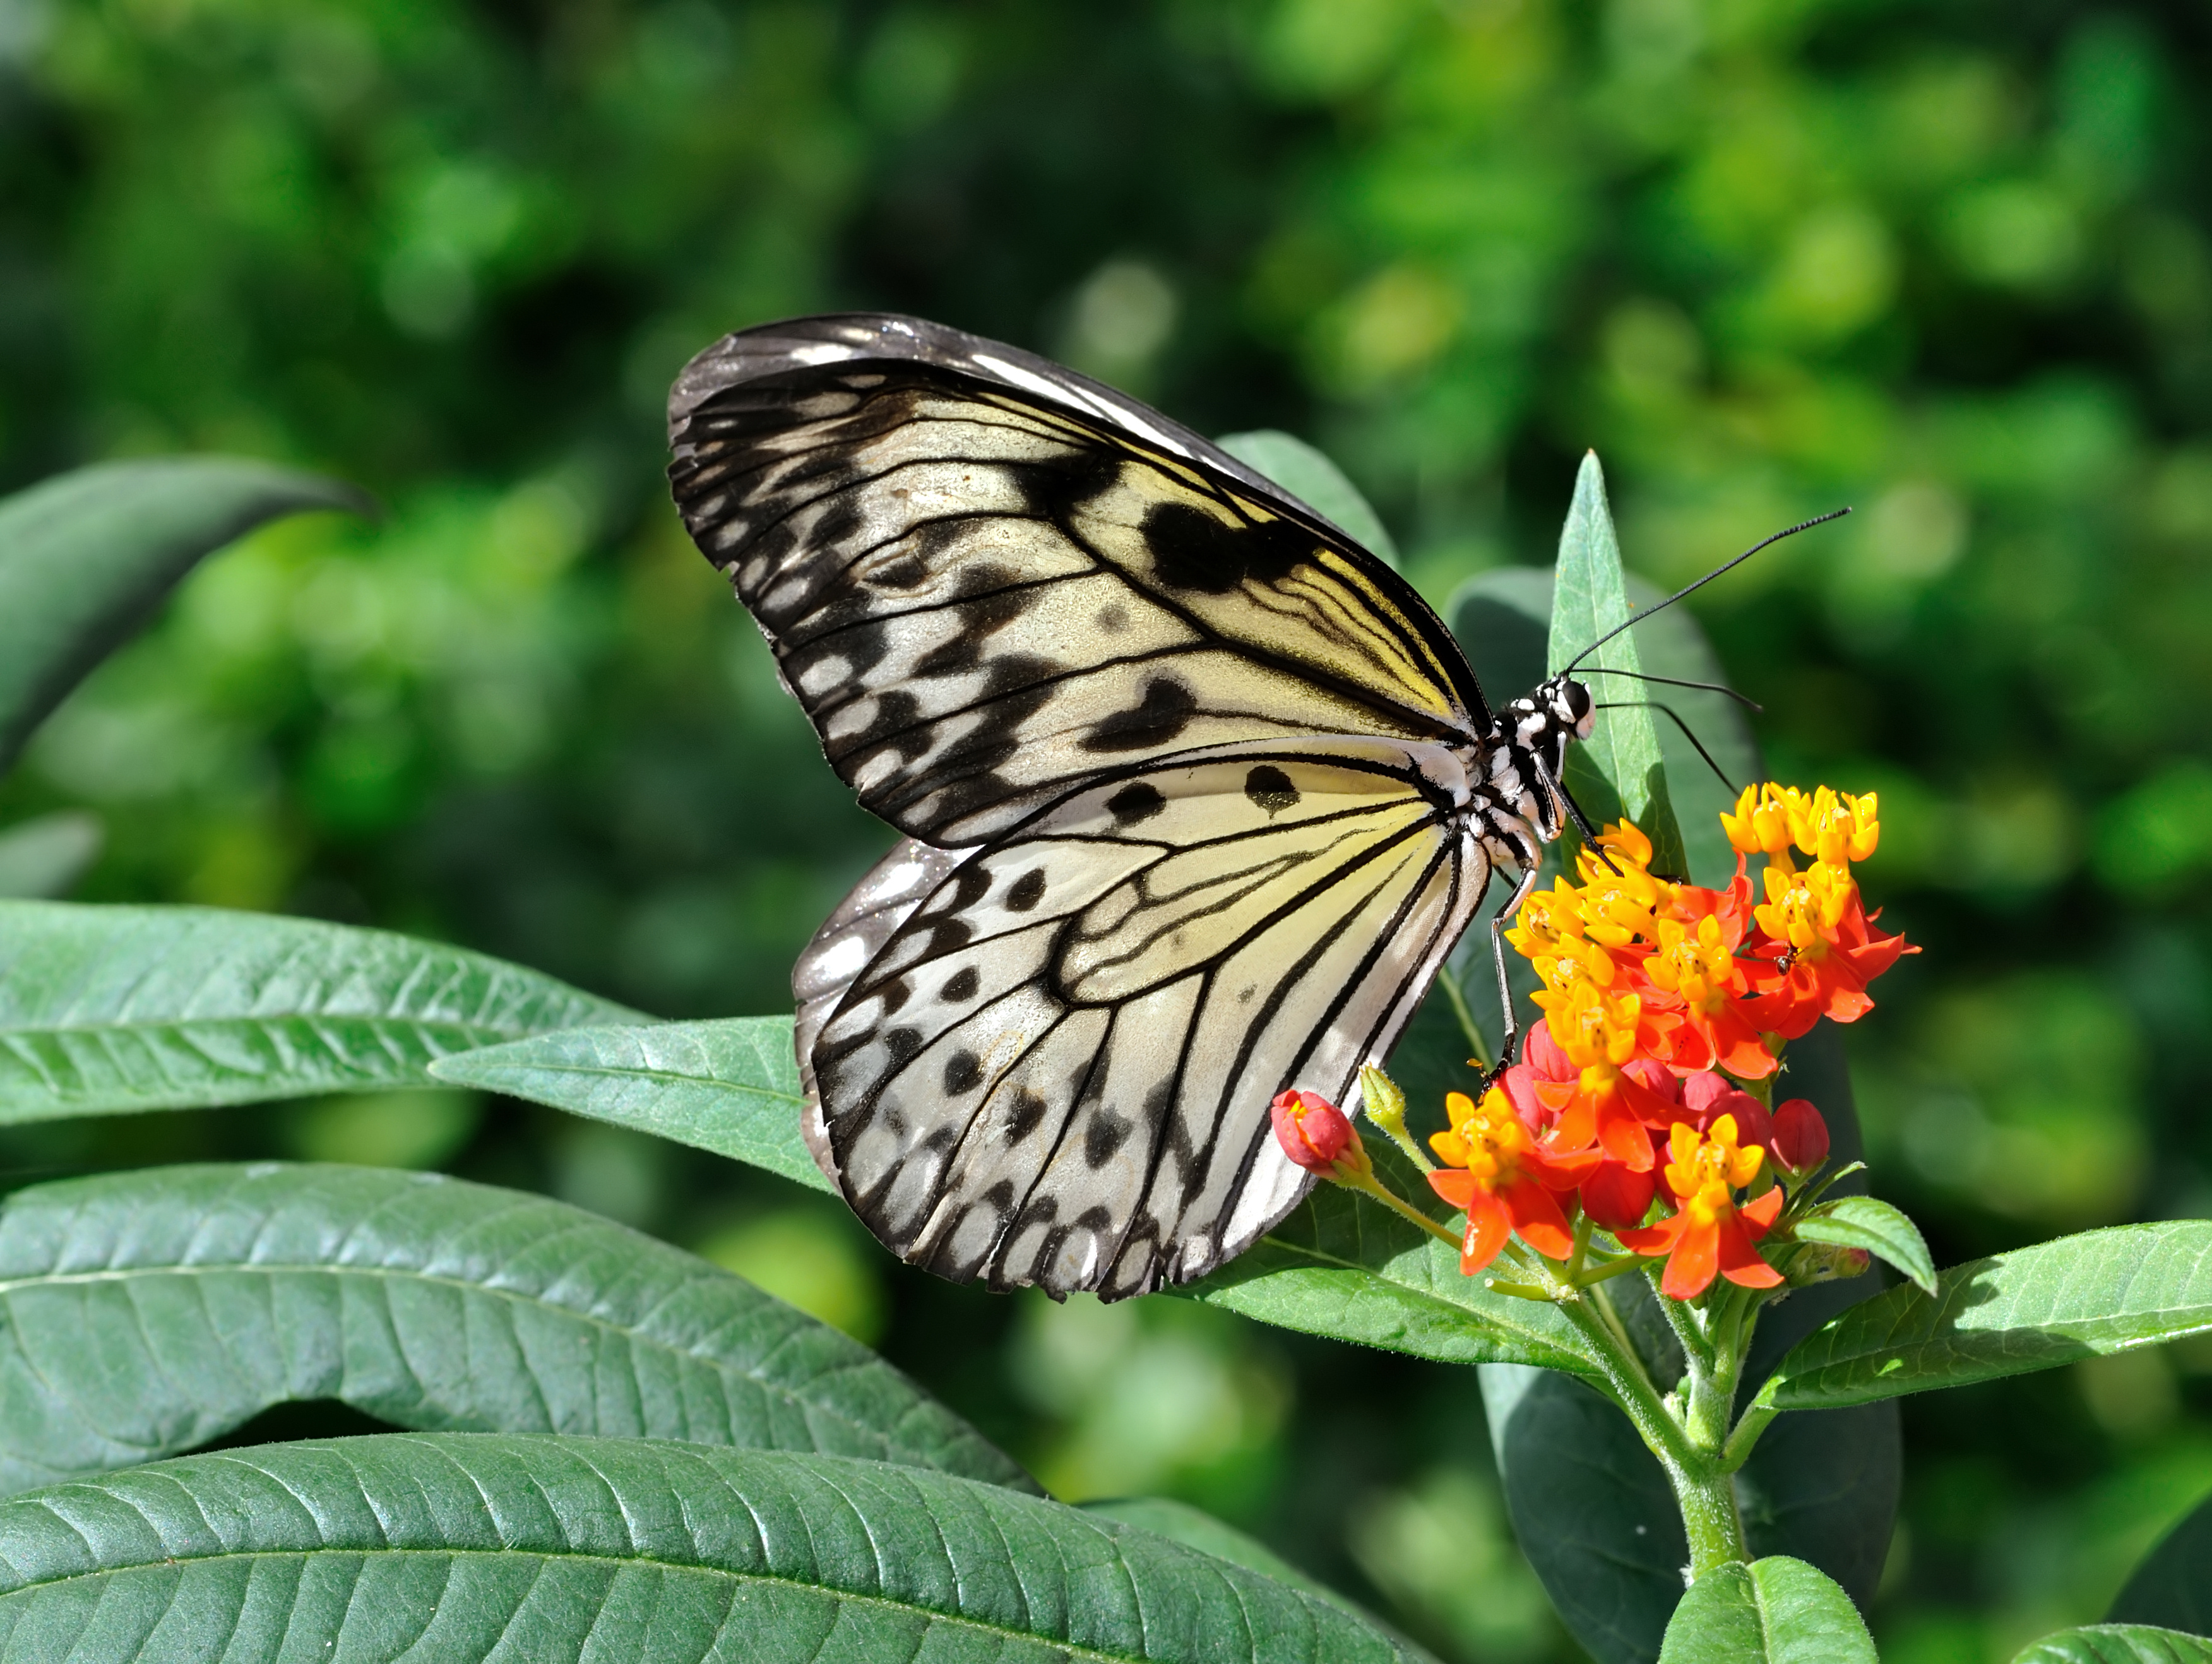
616	1072
708	1573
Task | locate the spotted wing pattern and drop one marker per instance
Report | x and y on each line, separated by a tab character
987	578
1053	1057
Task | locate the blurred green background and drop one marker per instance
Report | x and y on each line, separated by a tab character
1948	261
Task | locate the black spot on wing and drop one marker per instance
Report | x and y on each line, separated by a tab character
1270	789
1165	712
1026	891
1104	1137
1024	1114
1193	550
964	1071
961	986
1056	487
1139	801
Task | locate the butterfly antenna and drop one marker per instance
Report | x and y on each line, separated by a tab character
1744	700
1726	566
1653	705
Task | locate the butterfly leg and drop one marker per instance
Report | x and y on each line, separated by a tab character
1512	1029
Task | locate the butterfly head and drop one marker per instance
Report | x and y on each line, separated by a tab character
1543	722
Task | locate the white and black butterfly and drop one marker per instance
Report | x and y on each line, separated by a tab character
1197	794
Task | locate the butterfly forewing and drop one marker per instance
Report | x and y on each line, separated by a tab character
982	600
1179	766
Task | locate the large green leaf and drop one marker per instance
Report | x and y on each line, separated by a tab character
109	1010
2173	1586
1591	1508
1621	769
1193	1528
1774	1611
143	1314
2117	1643
730	1085
86	557
1308	475
2034	1308
462	1547
1347	1267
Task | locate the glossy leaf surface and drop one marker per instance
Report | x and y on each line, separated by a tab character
145	1314
2034	1308
463	1547
729	1085
112	1010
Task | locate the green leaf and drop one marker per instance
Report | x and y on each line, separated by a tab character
730	1085
143	1314
2034	1308
1195	1528
1346	1267
85	559
1591	1508
112	1010
1621	768
1863	1222
2173	1586
44	856
462	1547
1314	481
1775	1611
2117	1643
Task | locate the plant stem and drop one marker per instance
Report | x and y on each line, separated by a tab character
1368	1185
1703	1488
1448	979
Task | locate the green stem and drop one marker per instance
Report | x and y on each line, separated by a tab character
1448	979
1741	1440
1368	1185
1704	1489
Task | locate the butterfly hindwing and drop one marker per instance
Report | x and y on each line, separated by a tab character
1055	1068
986	578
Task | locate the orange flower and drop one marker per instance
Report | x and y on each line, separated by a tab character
1822	949
1503	1180
1601	1034
1697	964
1709	1233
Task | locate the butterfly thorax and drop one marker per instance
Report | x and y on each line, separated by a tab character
1518	804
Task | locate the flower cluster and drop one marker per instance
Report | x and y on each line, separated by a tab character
1663	1002
1665	1007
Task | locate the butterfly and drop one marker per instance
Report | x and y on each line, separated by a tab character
1197	794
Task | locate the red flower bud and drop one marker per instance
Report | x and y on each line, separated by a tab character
1312	1131
1800	1137
1618	1197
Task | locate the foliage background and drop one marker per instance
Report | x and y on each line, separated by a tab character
1943	259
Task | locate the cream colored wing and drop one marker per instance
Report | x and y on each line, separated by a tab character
987	578
1052	1059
